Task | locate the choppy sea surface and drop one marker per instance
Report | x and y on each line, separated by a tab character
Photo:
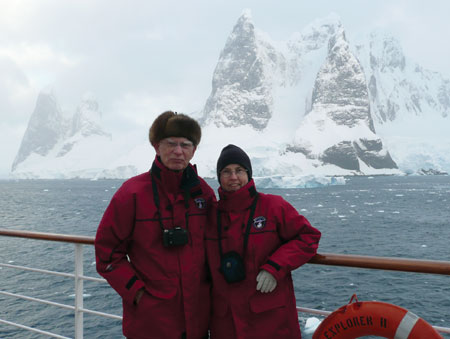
390	216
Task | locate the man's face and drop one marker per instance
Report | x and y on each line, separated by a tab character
233	177
175	152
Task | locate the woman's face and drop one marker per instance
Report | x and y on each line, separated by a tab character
233	177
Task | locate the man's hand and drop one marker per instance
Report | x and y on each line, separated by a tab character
266	282
138	295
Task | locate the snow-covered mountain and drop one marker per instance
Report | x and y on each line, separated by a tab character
313	104
57	145
344	134
410	105
399	87
243	81
44	130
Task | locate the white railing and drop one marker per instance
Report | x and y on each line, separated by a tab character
78	277
396	264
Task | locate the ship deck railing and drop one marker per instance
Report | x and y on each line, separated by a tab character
347	260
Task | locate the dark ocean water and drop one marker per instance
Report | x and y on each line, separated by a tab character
381	216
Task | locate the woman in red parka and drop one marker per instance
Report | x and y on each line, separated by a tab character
253	242
150	242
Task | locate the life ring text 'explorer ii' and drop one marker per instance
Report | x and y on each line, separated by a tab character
362	318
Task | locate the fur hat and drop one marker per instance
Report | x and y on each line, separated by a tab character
172	124
232	154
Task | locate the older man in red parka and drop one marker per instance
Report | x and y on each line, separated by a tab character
150	242
254	241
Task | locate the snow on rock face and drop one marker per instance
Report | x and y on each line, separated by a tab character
339	129
241	85
398	87
45	129
315	35
51	136
341	86
87	118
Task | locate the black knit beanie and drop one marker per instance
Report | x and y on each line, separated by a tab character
232	154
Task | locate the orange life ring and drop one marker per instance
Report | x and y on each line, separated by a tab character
381	319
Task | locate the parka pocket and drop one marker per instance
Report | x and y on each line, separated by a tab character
262	302
157	312
162	289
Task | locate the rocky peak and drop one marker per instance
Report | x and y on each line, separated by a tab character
240	50
50	133
315	35
45	128
87	118
386	53
339	125
242	82
341	84
398	87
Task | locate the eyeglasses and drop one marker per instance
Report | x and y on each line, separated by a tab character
227	173
185	145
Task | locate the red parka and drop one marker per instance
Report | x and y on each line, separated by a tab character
280	240
130	253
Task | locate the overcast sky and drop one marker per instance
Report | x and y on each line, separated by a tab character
139	58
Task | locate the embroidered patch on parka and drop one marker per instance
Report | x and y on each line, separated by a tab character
259	222
200	202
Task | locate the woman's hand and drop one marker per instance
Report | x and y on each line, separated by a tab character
266	282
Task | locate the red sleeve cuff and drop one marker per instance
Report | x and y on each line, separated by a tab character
274	269
132	287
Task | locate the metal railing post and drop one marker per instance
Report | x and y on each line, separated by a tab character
78	291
